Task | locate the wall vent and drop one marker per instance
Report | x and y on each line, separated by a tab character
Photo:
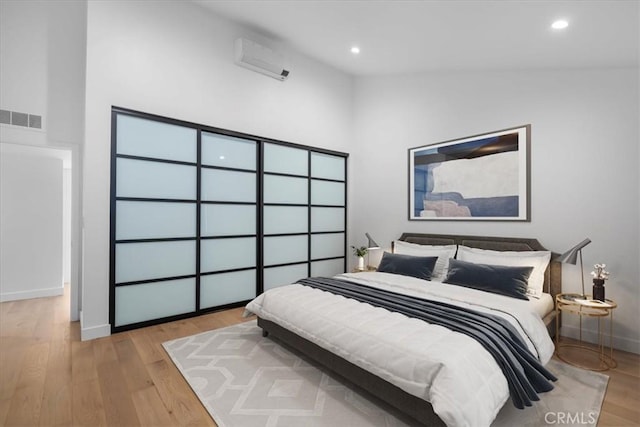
16	118
5	117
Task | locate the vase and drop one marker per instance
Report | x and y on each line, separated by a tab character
360	263
598	289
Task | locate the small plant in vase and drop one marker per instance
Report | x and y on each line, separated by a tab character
360	253
600	275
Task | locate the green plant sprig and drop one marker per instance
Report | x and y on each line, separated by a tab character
360	252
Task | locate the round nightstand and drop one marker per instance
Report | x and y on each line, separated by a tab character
586	307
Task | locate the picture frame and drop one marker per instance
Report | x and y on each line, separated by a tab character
483	177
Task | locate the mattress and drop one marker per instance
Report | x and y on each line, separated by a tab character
453	372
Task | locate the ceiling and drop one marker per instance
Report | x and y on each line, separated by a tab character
398	36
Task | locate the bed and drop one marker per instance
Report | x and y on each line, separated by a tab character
425	392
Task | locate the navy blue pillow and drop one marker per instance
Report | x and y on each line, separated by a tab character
498	279
407	265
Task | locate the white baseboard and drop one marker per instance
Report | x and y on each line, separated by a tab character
619	343
36	293
93	332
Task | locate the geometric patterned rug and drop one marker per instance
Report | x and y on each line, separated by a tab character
245	380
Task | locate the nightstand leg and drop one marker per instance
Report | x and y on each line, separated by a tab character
557	328
580	333
601	341
613	362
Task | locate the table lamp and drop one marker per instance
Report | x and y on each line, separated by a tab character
571	257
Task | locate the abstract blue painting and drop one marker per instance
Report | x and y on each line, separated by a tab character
480	177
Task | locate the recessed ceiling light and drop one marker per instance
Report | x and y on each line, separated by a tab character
560	24
355	50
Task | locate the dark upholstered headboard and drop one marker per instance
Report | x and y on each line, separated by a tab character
552	277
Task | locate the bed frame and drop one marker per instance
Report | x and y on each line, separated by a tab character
406	403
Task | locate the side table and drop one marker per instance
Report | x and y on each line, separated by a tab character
602	310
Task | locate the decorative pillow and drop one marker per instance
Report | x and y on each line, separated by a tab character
498	279
539	260
444	253
407	265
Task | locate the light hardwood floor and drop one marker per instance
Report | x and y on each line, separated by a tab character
49	377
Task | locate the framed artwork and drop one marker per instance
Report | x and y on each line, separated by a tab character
480	178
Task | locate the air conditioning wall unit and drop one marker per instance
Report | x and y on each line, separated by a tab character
262	59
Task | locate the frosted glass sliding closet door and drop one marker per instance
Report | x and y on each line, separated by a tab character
304	204
228	224
154	227
328	177
184	220
204	219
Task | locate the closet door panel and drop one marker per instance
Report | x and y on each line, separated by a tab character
327	219
150	138
228	186
278	276
327	245
228	220
284	189
327	268
286	160
159	180
153	220
227	254
285	249
285	219
154	260
327	166
149	301
227	288
227	151
327	193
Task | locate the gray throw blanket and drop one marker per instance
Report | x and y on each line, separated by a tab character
524	373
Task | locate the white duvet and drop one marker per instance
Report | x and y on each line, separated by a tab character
452	371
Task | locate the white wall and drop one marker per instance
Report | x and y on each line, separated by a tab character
31	225
42	65
24	65
584	170
66	52
176	59
66	224
42	69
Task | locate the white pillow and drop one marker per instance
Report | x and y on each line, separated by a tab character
539	260
442	252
